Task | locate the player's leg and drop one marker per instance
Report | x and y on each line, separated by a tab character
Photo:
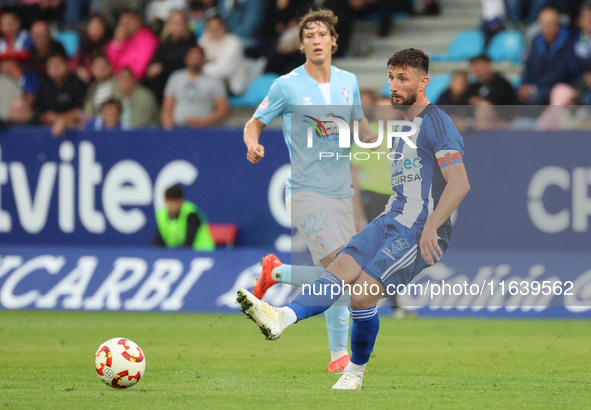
366	324
317	297
313	300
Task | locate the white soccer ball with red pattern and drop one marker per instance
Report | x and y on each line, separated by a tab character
120	363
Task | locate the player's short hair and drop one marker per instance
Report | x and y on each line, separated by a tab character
410	57
481	57
324	16
113	102
174	192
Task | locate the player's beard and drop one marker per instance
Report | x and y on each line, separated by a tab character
406	102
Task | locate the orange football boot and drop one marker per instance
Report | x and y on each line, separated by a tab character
339	364
265	281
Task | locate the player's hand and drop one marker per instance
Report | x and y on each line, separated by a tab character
429	245
255	153
370	138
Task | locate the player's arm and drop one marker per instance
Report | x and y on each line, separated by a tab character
358	211
252	132
456	189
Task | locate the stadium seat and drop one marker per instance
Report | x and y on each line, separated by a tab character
385	92
70	41
438	83
255	93
465	45
224	234
506	46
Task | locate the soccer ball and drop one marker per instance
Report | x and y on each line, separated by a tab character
120	363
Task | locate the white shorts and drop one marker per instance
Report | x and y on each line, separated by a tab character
326	224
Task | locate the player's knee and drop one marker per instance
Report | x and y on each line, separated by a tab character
363	301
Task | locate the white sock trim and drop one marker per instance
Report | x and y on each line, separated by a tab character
337	354
357	368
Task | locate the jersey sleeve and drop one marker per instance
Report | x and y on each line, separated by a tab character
273	105
444	138
357	112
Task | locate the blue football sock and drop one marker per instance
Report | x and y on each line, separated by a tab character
364	331
337	324
300	275
317	297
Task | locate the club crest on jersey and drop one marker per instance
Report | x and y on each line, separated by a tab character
400	244
346	93
307	100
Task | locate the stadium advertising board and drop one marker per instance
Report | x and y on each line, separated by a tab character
530	190
181	280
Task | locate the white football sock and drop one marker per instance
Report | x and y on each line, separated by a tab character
357	368
337	354
276	274
287	316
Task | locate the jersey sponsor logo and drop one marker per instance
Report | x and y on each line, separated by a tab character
324	129
264	104
405	164
403	179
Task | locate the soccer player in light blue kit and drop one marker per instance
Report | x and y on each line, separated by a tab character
429	182
318	193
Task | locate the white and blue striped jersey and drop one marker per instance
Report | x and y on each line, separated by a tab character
417	180
299	100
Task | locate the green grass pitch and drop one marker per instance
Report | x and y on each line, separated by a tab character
222	362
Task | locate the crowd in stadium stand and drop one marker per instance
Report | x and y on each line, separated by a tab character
123	64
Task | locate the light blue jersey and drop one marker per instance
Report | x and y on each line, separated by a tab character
300	101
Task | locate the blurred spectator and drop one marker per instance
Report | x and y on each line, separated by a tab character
549	61
560	115
158	12
101	88
489	84
60	97
133	45
487	116
281	31
243	18
76	9
582	41
21	113
13	37
109	118
384	8
191	98
181	223
524	11
197	15
224	56
586	89
493	18
457	88
47	10
9	90
93	41
43	47
112	9
11	65
139	105
175	40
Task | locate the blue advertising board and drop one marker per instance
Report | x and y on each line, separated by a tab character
530	190
141	279
100	188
